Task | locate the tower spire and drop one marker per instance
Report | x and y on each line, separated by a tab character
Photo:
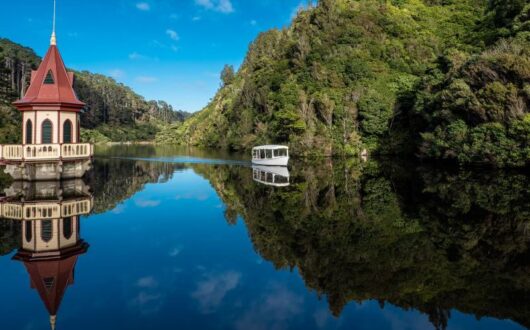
53	320
53	40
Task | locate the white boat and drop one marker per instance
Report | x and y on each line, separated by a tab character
270	155
277	176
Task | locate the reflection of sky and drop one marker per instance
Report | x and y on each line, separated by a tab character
179	265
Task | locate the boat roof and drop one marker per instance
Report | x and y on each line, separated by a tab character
270	146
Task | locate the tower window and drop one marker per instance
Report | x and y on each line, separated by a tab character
29	232
48	282
46	230
49	78
67	131
47	131
29	132
67	228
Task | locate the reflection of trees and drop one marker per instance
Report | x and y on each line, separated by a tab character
116	180
420	239
9	236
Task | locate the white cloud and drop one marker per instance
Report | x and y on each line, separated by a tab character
144	203
174	16
147	282
196	18
143	6
117	73
253	22
137	56
173	34
272	311
146	80
225	6
222	6
211	292
175	252
205	3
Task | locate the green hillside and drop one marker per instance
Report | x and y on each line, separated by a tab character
351	74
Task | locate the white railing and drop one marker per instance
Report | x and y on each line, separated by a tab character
78	150
11	152
45	210
38	152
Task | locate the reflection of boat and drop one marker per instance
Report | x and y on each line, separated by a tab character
50	240
277	176
270	155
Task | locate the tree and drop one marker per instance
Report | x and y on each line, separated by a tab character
227	75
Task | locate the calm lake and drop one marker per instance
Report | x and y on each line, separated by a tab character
189	239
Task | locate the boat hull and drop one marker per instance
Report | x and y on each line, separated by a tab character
281	161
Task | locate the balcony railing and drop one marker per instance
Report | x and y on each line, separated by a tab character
45	210
44	152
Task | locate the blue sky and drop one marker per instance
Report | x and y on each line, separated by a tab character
171	50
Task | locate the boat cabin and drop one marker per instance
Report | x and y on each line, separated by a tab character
274	155
271	175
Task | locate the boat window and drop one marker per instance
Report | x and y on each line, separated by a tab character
270	178
276	153
262	154
256	174
281	179
254	154
282	152
263	176
269	153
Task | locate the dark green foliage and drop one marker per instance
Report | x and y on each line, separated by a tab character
227	75
480	112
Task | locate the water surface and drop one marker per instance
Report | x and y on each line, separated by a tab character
182	238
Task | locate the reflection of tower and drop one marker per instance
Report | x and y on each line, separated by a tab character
50	237
50	249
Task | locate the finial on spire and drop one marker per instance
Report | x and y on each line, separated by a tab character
53	319
53	40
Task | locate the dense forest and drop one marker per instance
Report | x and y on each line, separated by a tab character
440	79
113	113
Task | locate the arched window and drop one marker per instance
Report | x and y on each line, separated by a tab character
46	233
47	129
29	232
67	131
67	228
29	132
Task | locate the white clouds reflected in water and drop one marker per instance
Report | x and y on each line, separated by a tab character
147	282
273	311
211	291
145	203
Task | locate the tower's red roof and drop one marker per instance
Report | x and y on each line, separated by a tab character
50	279
56	93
